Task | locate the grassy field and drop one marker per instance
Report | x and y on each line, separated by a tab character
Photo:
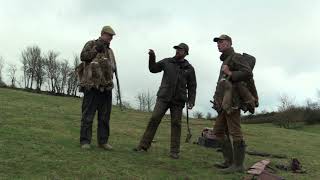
39	139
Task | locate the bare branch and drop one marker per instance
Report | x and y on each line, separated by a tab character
1	67
12	74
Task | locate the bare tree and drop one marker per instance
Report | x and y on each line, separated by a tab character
209	116
150	100
1	67
75	79
312	105
39	73
146	101
141	97
289	114
32	65
70	76
71	82
57	78
64	72
12	74
126	105
25	68
198	115
20	82
51	66
285	103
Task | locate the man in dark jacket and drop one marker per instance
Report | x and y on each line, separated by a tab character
178	86
236	69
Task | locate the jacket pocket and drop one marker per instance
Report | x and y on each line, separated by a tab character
163	92
181	94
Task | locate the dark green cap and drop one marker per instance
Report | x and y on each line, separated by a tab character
182	46
222	37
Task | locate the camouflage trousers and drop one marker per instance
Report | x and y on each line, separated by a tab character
95	100
228	124
159	111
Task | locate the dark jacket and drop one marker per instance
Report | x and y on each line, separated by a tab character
178	77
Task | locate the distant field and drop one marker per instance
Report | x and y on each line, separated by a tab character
39	139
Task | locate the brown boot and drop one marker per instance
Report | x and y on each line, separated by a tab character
106	146
85	146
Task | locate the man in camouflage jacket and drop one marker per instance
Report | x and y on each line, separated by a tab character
96	82
234	70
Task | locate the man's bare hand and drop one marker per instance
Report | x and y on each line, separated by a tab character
226	70
190	106
151	52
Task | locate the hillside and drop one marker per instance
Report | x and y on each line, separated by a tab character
39	138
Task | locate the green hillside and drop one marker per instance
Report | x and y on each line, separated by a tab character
39	139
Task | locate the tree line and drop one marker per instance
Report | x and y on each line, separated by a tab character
46	71
43	71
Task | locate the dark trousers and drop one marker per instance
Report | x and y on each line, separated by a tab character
94	100
158	113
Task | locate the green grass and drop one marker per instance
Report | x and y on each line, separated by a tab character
312	129
39	139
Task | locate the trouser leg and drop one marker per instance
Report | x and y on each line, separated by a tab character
89	106
158	113
176	114
222	134
234	127
104	111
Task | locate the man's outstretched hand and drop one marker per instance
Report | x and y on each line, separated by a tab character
151	53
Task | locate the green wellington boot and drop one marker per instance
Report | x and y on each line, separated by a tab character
239	149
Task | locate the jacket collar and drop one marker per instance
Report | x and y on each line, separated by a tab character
226	53
104	43
182	63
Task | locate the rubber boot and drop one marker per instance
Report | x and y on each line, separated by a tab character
227	153
239	149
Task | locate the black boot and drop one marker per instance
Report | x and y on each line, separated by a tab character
174	155
140	149
227	153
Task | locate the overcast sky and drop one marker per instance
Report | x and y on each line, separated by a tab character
282	35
